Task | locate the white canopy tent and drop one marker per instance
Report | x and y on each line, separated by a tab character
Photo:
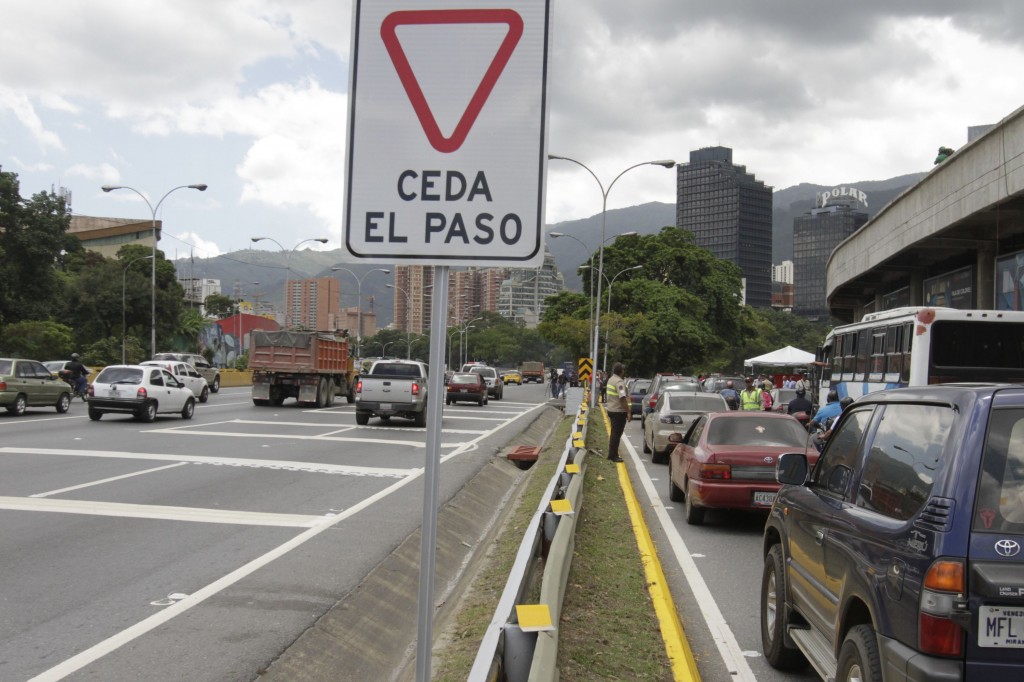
783	357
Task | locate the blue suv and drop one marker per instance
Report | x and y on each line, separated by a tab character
899	556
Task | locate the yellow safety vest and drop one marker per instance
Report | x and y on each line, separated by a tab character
750	400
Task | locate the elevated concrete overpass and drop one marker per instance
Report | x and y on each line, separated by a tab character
967	212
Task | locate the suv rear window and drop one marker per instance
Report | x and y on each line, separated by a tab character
1001	494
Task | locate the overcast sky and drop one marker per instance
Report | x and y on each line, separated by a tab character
250	97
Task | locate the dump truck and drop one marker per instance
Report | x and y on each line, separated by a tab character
314	367
533	371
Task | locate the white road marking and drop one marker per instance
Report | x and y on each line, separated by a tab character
150	511
281	436
728	647
274	464
114	642
108	480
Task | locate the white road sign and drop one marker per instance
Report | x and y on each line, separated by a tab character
447	132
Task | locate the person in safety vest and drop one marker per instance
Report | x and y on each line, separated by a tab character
750	397
616	403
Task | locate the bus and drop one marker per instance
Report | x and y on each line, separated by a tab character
919	346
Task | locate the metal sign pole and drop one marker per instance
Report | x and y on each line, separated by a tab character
431	479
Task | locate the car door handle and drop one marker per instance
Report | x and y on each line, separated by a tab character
819	536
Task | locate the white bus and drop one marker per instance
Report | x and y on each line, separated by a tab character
920	346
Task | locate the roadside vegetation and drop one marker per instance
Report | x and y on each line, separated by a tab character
608	630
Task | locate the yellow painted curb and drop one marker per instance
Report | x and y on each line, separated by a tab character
684	666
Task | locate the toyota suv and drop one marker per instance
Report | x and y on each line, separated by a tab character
898	557
209	372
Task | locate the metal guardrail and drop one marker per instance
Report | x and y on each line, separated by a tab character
507	652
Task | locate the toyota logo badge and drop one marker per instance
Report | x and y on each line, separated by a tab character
1007	548
767	460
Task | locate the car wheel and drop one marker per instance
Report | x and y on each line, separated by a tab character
448	402
694	515
205	395
421	417
480	402
647	448
148	412
774	621
95	414
215	387
660	457
362	418
859	660
189	409
19	405
63	403
260	402
674	492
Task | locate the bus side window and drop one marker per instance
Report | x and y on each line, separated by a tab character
863	354
893	351
908	348
878	338
849	354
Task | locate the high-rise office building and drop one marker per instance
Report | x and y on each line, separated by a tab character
729	212
815	235
312	303
523	292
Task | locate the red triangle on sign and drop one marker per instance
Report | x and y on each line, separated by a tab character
412	88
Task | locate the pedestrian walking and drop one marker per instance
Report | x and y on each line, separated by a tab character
616	403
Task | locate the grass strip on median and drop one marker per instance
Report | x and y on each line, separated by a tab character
608	629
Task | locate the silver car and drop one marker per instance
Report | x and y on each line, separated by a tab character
186	374
673	413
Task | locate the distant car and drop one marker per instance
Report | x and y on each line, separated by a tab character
512	376
727	461
716	382
495	387
186	374
142	391
673	413
466	387
637	389
27	383
786	395
209	372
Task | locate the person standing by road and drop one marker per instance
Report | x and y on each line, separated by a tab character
750	397
616	403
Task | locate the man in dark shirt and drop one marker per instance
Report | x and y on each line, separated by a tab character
800	404
79	374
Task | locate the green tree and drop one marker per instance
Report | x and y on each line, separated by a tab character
219	304
190	323
33	239
37	339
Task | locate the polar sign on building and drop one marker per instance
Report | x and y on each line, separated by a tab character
446	136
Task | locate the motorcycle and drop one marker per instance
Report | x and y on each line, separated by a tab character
65	375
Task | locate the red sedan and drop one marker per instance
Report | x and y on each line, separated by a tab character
727	460
468	386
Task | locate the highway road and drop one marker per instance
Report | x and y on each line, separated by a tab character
201	549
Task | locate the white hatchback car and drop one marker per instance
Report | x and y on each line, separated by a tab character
142	391
186	374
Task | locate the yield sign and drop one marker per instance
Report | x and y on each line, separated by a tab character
446	164
412	88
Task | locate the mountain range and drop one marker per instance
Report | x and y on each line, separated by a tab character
256	273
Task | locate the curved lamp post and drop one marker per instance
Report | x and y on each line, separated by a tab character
153	209
408	320
604	362
359	301
665	163
124	283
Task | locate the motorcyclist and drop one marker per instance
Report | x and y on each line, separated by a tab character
800	405
78	373
831	410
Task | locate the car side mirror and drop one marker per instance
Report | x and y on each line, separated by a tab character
791	469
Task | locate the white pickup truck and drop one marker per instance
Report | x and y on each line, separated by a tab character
393	388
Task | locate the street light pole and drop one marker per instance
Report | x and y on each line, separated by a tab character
359	301
124	283
153	210
408	320
665	163
604	363
288	262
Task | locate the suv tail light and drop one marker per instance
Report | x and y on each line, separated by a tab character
719	472
944	586
359	386
415	388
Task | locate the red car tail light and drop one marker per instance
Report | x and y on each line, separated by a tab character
3	385
359	386
937	633
652	401
415	388
141	394
718	472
